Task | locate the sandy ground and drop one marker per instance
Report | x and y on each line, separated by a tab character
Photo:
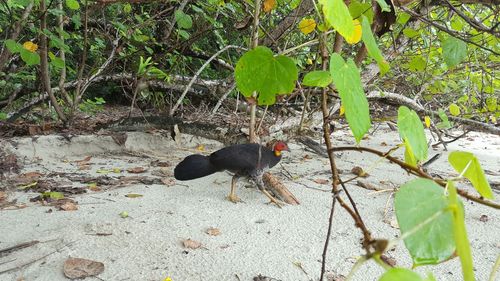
254	239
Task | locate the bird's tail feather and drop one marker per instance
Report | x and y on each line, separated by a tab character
193	167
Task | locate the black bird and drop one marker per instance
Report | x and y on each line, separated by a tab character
250	160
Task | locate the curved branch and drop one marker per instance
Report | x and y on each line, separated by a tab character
417	172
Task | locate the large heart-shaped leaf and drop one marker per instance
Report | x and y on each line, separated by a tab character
348	82
416	202
258	70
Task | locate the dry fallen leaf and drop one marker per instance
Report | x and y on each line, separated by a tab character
321	181
213	231
31	175
81	268
168	181
69	206
136	170
191	244
358	171
84	160
3	195
483	218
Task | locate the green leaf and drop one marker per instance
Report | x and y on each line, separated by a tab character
403	18
454	51
348	82
76	19
411	130
460	160
57	62
53	195
409	155
356	9
445	123
259	71
410	32
182	33
13	46
399	274
30	58
384	6
492	104
457	24
317	79
73	4
3	116
417	64
417	202
454	109
338	16
372	47
127	8
183	20
460	233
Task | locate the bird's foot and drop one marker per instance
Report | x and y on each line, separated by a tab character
233	198
278	203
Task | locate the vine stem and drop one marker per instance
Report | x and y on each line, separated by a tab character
415	171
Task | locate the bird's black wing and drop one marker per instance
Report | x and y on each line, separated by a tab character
240	158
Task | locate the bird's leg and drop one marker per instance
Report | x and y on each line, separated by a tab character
232	195
260	185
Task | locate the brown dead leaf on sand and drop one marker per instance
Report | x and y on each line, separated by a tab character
81	268
191	244
321	181
136	170
68	206
212	231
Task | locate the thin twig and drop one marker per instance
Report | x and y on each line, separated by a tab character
18	247
183	95
219	103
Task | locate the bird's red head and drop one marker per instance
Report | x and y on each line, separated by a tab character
280	146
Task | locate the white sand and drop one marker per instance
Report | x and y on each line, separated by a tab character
255	238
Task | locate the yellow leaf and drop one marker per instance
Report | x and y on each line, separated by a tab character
269	5
309	61
427	120
454	109
30	46
167	279
200	148
342	110
307	26
356	36
133	195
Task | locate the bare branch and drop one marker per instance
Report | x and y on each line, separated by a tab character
183	95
